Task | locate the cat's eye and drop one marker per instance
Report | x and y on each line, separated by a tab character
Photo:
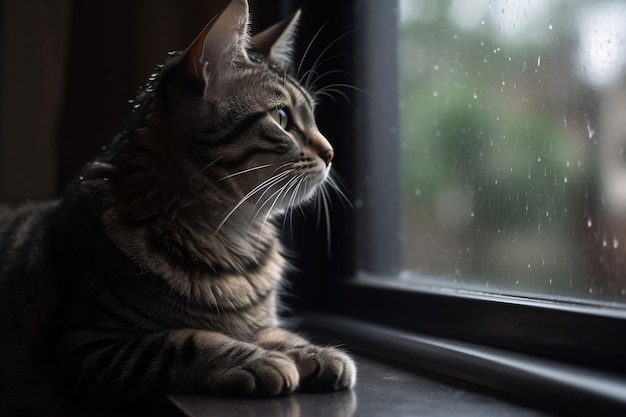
281	116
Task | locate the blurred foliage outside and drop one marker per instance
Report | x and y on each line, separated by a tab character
503	124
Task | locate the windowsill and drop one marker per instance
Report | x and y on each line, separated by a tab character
383	390
431	376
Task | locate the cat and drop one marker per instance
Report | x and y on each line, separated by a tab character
159	270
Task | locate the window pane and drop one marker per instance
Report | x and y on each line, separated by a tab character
513	124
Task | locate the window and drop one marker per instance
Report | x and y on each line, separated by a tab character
514	172
485	165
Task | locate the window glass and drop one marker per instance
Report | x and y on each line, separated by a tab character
513	125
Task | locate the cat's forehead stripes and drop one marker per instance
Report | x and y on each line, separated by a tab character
298	91
296	97
295	89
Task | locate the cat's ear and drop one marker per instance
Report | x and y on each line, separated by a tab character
276	42
223	41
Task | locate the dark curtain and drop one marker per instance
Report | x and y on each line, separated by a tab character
34	44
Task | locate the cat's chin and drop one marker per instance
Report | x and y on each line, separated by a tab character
327	170
320	175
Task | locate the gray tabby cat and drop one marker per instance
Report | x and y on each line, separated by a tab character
159	269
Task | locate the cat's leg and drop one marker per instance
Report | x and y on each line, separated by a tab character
183	361
320	368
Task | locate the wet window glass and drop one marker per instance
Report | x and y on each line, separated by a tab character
513	126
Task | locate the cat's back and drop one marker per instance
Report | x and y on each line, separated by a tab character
22	224
27	301
24	254
12	211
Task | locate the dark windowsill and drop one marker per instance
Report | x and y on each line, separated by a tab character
547	383
407	374
383	390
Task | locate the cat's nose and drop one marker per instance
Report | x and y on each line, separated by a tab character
327	155
320	144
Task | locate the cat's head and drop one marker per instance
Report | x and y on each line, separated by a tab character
231	122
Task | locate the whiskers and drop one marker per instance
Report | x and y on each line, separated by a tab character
211	164
312	77
264	186
337	185
244	171
333	184
321	202
287	191
290	188
331	89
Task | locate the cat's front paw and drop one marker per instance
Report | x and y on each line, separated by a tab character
269	374
324	368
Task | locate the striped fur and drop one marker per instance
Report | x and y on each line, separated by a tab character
159	270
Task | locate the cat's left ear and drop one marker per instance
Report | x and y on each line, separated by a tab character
276	42
222	42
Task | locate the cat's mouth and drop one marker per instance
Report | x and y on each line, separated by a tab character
302	184
316	172
312	181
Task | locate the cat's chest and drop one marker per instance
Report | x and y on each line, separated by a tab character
230	290
228	303
235	305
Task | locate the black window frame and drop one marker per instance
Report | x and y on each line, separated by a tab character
350	276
